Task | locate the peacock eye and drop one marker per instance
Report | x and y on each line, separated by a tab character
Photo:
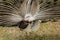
4	0
21	1
55	0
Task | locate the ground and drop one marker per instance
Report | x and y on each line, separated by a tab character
47	31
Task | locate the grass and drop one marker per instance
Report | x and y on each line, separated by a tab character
47	31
